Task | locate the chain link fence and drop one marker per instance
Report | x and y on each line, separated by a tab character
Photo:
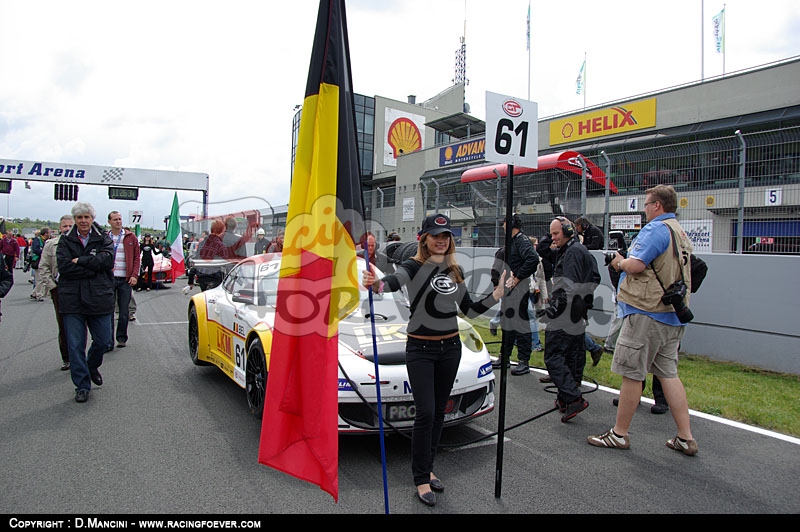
737	193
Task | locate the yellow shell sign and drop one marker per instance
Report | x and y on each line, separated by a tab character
604	122
404	137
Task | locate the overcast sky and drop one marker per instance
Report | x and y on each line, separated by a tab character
210	86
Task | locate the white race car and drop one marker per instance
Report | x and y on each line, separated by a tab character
230	326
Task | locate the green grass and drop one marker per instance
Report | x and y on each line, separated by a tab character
729	390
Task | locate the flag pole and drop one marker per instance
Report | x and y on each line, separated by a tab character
529	50
724	16
584	79
702	39
377	380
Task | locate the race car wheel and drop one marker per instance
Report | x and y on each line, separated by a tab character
194	338
256	378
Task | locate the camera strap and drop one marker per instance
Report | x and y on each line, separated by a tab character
677	256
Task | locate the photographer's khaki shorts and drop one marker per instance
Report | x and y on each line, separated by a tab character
646	346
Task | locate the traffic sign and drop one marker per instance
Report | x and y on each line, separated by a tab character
512	130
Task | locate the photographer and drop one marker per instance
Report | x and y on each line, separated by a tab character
616	322
653	303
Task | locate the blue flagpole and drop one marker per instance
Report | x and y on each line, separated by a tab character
377	383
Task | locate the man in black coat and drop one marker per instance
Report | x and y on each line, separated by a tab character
6	282
522	262
574	280
592	235
85	258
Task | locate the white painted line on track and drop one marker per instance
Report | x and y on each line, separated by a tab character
164	323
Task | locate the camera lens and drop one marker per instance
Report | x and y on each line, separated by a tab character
683	312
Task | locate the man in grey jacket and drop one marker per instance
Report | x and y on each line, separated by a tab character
48	276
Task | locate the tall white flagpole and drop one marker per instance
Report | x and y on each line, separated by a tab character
529	50
724	16
702	39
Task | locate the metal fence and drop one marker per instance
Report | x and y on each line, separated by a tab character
737	193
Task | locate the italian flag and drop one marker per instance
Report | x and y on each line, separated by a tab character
175	238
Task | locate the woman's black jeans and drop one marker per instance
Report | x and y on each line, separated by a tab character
432	367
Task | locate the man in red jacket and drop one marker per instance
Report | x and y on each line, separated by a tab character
9	249
126	273
23	250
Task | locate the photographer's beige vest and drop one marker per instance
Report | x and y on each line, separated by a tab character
642	289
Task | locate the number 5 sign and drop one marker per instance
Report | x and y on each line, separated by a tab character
512	130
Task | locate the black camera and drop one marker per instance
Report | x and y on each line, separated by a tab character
674	295
616	240
609	255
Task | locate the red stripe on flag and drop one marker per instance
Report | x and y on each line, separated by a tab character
302	391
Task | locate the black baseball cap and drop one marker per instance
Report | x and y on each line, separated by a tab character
516	220
436	224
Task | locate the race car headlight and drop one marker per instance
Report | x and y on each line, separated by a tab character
470	337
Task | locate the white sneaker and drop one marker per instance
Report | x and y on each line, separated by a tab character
187	289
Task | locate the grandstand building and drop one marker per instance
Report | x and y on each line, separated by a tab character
730	145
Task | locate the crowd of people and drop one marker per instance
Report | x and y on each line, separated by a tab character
552	278
90	271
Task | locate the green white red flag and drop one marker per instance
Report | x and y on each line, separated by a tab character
175	239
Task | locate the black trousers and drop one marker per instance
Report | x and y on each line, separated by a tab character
565	357
432	368
147	274
516	324
62	337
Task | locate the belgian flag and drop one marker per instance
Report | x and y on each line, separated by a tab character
319	281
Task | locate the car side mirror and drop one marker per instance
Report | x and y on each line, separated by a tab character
244	296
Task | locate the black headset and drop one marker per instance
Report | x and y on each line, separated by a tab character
566	227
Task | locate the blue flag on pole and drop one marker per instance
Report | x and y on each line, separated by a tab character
529	29
579	81
719	31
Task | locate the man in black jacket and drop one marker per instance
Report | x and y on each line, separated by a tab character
522	262
592	235
6	282
574	280
85	258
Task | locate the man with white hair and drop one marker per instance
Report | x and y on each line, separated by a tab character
85	258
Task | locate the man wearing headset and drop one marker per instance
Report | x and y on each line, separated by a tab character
574	279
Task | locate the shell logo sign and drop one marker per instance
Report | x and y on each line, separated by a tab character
404	134
604	122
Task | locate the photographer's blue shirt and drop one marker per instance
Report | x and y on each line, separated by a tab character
652	241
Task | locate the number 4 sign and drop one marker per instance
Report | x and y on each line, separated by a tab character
512	130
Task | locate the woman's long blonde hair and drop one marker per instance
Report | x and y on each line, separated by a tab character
453	269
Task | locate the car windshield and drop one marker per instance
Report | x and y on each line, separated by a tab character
261	280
